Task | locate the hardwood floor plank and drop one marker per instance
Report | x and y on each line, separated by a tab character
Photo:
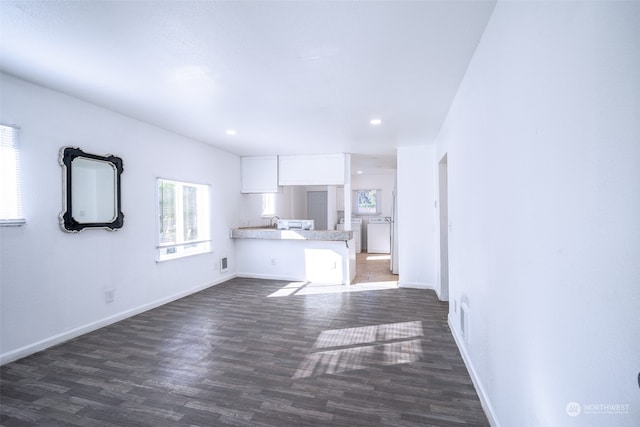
234	354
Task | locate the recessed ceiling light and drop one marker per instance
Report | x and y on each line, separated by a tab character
376	122
359	172
230	132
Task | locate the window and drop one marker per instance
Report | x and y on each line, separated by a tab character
367	202
268	204
183	212
10	194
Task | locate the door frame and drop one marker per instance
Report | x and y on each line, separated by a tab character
443	218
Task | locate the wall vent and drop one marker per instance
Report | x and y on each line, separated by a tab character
224	264
464	322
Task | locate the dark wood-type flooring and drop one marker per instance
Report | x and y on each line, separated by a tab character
254	352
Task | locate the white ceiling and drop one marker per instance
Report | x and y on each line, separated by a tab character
290	77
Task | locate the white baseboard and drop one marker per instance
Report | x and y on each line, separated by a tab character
482	394
416	285
76	332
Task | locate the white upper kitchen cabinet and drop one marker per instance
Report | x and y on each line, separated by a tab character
318	169
260	174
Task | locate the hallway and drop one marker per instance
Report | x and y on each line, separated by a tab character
374	268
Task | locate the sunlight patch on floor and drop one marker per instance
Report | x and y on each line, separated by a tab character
378	257
287	290
377	345
308	288
382	284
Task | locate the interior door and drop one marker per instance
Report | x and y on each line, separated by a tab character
317	208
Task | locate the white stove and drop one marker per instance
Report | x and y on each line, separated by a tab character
384	220
379	236
295	224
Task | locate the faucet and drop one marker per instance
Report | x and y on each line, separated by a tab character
271	224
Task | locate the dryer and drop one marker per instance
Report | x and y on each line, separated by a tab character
379	236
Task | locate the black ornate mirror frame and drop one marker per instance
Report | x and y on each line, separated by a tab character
67	221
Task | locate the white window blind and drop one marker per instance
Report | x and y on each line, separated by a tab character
10	193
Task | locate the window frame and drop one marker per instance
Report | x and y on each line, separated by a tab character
13	184
184	248
356	207
268	205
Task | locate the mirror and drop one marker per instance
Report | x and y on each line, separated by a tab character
91	191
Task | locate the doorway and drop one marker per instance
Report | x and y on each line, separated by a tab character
373	269
317	208
443	193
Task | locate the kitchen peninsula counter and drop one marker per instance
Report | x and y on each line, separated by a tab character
275	234
316	256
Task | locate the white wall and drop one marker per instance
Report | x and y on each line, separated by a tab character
416	216
543	147
53	283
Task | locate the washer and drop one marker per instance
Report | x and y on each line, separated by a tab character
356	227
379	236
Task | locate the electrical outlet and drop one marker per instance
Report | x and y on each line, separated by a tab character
109	295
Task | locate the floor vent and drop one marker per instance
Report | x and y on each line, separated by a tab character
224	264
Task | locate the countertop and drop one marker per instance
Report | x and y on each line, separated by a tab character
274	234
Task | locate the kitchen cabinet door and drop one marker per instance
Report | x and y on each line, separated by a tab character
260	174
320	169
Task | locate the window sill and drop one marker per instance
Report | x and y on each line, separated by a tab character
12	222
201	248
163	260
